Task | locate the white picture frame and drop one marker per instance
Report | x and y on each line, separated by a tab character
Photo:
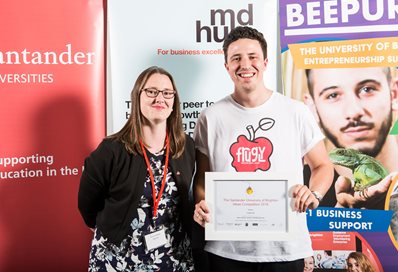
249	206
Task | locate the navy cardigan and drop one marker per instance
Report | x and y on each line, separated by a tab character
112	183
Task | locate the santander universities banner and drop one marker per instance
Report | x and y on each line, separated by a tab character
51	116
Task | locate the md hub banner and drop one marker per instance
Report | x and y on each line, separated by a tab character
189	46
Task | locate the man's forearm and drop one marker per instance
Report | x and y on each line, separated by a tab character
321	178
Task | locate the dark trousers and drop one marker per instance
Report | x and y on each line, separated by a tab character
201	260
221	264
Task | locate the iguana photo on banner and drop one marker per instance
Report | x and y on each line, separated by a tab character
366	170
357	112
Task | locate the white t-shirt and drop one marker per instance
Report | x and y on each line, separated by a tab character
290	131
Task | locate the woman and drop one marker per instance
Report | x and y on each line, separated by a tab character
358	262
134	187
309	264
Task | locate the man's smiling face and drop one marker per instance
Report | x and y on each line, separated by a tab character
246	64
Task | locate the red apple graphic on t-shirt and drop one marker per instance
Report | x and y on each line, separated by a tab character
253	153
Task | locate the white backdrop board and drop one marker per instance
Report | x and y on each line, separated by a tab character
185	38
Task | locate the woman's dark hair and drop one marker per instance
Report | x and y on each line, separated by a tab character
131	134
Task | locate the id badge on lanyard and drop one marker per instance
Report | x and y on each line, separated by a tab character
156	237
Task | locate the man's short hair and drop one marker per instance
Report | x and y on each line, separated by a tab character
244	32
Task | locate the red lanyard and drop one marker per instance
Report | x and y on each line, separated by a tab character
166	164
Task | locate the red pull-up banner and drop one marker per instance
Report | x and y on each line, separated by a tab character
52	114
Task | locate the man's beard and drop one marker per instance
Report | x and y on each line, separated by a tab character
371	151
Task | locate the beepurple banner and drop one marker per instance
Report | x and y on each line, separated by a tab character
340	58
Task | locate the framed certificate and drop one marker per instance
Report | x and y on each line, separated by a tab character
249	206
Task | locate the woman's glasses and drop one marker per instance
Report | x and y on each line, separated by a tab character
152	93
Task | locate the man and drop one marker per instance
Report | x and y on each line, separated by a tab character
327	261
251	115
354	108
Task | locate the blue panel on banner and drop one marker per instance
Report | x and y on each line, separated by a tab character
339	219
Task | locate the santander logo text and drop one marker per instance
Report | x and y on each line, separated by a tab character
65	56
252	154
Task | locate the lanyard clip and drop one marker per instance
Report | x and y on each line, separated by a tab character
154	221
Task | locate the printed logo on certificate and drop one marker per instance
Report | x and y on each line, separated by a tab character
249	206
